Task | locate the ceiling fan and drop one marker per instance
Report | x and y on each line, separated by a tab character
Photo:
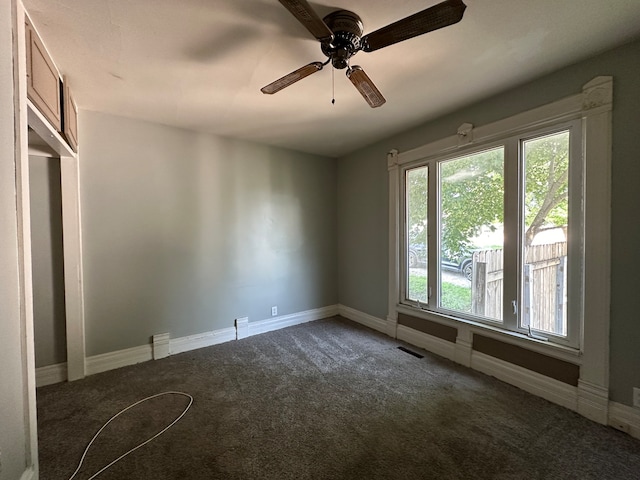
341	36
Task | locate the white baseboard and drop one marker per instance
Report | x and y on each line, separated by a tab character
144	353
276	323
120	358
51	374
428	342
540	385
593	402
363	318
201	340
625	418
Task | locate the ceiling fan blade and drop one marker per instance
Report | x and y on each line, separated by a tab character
309	18
292	78
439	16
365	86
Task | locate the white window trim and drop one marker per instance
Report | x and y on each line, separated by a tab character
593	106
511	147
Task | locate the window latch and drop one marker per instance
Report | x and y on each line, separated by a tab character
514	305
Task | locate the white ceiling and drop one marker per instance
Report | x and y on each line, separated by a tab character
200	64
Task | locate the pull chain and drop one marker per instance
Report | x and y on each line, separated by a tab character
333	86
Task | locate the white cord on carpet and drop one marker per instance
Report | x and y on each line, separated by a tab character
86	450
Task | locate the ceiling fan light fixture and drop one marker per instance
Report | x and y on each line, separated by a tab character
340	59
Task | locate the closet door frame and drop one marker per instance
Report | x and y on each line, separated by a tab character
72	241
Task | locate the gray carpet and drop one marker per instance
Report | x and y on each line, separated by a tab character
325	400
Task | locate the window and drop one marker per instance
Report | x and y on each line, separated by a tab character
544	239
543	177
493	235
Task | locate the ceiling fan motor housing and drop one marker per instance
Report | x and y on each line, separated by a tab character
347	29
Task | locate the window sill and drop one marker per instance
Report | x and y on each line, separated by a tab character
561	352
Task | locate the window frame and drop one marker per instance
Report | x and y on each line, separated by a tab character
435	231
513	187
592	106
575	232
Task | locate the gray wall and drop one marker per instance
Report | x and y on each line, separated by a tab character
184	232
363	238
363	199
13	422
47	261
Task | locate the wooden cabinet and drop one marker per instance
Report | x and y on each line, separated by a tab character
43	81
70	118
45	90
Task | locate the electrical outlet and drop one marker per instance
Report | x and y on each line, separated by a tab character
636	397
274	311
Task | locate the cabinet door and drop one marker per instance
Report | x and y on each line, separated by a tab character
70	117
43	82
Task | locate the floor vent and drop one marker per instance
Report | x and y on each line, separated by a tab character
406	350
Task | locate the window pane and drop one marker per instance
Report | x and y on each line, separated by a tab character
545	240
416	235
471	233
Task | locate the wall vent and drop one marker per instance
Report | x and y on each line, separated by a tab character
160	346
242	328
